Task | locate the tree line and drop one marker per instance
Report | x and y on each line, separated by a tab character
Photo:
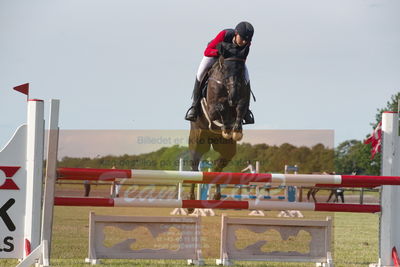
271	158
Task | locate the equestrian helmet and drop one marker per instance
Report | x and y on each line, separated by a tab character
245	30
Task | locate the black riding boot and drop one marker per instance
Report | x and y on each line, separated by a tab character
194	110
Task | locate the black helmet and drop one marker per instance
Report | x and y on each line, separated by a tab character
245	30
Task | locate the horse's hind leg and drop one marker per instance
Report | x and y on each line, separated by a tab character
227	151
191	194
196	157
220	164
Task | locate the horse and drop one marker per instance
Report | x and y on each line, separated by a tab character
220	122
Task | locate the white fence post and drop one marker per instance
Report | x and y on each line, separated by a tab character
51	172
390	195
34	169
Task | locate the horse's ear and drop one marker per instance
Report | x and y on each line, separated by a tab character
221	49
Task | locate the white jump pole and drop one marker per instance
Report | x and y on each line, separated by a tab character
258	194
34	251
389	234
34	169
257	171
180	184
51	172
179	211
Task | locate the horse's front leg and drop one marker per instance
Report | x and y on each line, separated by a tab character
237	131
241	110
238	125
217	195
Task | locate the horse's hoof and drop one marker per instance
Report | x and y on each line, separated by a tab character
190	210
237	136
191	197
226	135
217	196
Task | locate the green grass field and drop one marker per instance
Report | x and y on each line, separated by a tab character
355	238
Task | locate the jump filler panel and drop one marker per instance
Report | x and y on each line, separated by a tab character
275	240
137	237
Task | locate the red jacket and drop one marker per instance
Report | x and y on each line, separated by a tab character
224	36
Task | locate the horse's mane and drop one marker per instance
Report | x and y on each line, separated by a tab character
217	66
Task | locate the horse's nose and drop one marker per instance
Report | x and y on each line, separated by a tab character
233	97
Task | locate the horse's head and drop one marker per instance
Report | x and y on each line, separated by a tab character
233	70
227	94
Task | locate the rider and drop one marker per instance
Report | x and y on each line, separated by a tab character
239	37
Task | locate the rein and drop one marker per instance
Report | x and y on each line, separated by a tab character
217	123
232	59
235	59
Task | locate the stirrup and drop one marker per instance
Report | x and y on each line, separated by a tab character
191	114
248	117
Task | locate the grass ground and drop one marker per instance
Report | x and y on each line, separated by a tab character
355	238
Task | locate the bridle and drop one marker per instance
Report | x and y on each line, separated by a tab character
235	59
222	82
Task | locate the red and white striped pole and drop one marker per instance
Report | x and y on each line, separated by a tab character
173	177
214	204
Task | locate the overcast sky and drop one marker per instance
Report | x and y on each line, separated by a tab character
125	64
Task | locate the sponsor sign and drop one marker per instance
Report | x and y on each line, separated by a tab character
12	210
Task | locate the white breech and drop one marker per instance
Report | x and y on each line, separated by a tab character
207	62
